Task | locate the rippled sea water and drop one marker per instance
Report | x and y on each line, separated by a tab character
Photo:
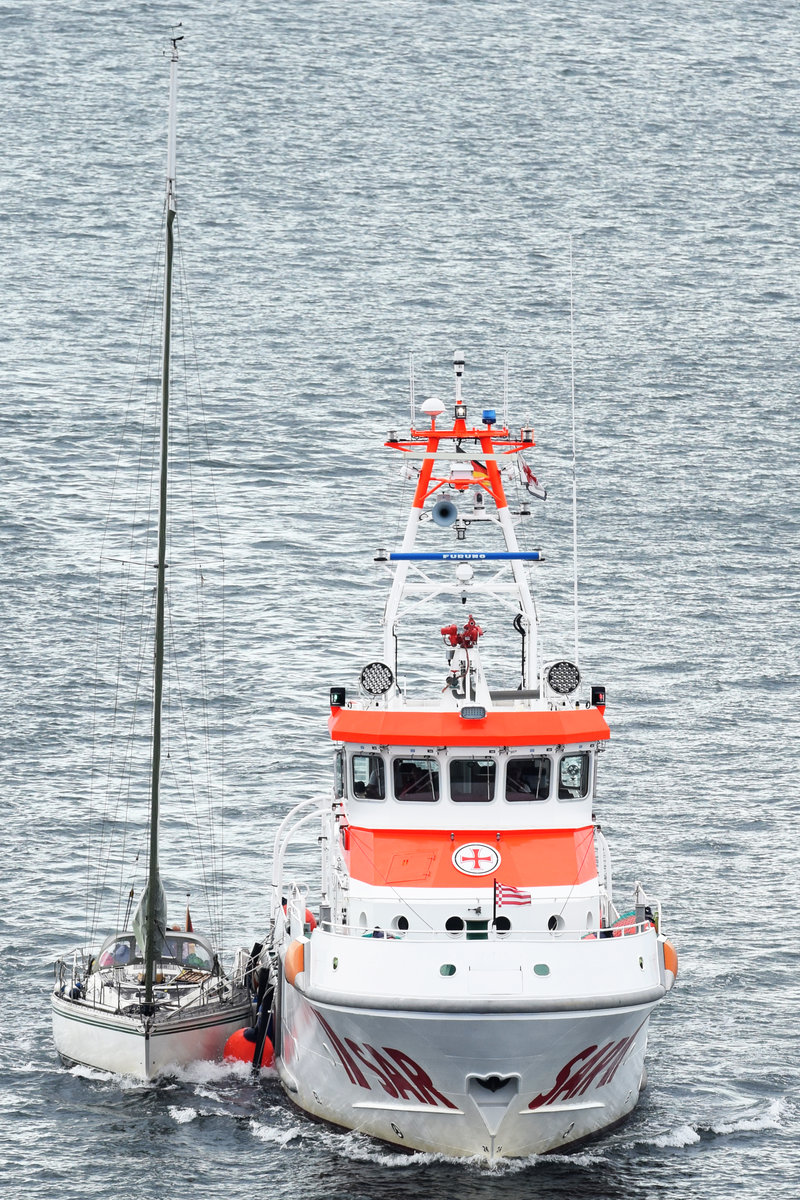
357	182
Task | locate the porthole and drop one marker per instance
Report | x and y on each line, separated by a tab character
541	969
400	923
447	969
454	926
555	923
502	926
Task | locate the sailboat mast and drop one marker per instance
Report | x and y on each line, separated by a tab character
153	880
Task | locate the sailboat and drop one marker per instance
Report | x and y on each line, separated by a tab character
472	986
154	996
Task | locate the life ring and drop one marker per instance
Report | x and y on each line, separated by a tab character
309	919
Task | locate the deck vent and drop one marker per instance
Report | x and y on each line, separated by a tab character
563	678
376	678
473	712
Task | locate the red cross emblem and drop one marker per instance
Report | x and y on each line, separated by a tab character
476	858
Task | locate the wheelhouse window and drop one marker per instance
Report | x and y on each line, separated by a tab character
338	775
416	779
472	780
573	776
188	952
528	778
369	777
119	952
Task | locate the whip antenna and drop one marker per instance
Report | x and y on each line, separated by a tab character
411	384
574	472
505	389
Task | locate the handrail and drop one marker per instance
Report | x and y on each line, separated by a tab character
279	831
519	936
281	844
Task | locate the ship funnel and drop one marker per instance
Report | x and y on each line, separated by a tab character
444	514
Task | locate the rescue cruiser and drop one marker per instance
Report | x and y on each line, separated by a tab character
470	987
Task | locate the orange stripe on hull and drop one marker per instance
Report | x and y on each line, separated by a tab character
424	858
566	726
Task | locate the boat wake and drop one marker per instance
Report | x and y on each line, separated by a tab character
209	1072
753	1119
360	1148
682	1135
125	1083
270	1133
773	1117
182	1116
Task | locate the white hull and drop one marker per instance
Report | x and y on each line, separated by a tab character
92	1036
412	1078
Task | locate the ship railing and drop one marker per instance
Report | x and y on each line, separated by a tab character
70	970
603	860
301	814
243	966
489	934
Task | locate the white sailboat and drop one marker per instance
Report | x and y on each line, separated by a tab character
154	996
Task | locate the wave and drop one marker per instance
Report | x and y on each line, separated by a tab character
772	1118
750	1120
682	1135
269	1133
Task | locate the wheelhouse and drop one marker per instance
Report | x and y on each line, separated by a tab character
181	949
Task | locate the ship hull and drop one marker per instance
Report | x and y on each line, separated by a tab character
486	1084
93	1036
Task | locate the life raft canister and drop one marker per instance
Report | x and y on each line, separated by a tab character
627	924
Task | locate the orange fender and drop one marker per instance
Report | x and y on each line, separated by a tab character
295	961
670	958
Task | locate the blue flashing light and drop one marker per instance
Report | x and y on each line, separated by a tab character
460	555
489	416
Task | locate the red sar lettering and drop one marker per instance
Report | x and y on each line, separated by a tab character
574	1080
397	1073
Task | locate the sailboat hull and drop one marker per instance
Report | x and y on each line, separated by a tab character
550	1079
91	1036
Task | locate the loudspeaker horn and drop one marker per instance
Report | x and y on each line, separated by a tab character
444	514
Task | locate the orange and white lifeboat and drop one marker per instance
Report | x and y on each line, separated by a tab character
470	986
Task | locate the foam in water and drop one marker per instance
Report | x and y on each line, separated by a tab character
681	1135
358	1147
207	1071
771	1118
182	1115
268	1133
